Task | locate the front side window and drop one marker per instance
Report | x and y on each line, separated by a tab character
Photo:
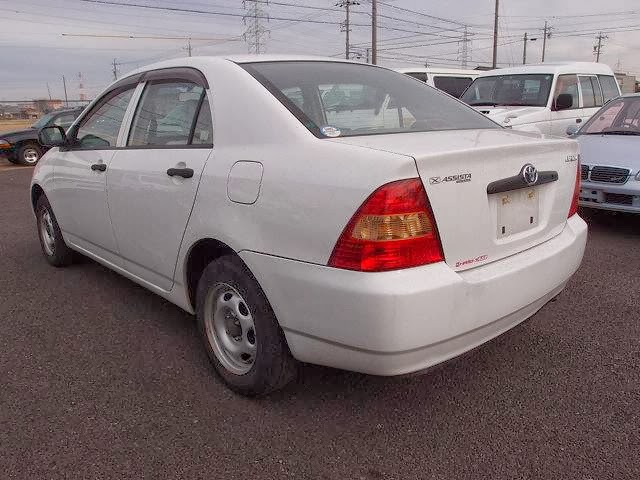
165	114
454	86
567	84
609	87
341	99
101	127
530	90
619	117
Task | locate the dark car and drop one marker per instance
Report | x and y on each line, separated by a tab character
23	147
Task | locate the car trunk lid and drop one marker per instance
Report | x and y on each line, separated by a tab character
484	208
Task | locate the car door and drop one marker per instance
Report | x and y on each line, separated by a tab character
79	196
152	182
561	119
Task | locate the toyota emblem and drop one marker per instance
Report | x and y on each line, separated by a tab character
529	174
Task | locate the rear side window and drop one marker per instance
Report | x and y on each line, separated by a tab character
454	86
568	84
101	127
341	99
165	114
203	131
609	87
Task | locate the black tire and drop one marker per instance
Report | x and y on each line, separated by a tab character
12	159
57	253
273	366
29	154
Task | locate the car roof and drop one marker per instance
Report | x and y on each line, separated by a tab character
553	68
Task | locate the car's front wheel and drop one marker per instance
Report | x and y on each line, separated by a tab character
240	331
53	247
29	154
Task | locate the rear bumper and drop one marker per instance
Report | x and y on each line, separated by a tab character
611	196
405	321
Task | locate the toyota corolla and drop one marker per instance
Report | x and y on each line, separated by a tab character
313	210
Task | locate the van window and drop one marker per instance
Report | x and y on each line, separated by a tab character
591	92
609	87
419	75
568	84
452	85
530	90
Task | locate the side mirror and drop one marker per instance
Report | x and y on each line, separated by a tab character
564	101
52	136
572	129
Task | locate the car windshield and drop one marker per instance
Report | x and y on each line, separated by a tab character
618	117
531	90
343	99
44	120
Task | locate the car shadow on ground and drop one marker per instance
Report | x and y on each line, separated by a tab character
612	222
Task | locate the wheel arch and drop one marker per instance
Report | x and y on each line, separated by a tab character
36	192
201	254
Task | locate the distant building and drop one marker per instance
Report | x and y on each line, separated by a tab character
627	82
45	105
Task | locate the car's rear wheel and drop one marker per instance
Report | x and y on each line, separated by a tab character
29	154
53	247
240	331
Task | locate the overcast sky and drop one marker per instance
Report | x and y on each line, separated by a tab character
40	39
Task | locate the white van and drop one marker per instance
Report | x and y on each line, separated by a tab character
454	81
545	98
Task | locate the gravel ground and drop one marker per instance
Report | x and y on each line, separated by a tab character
102	379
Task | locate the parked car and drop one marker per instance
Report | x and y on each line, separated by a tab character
23	147
610	142
544	98
454	81
379	249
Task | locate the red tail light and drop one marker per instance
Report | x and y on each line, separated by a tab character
393	229
576	192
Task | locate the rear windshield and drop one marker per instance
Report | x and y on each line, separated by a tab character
342	99
531	90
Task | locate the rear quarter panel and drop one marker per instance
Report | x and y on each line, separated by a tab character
310	187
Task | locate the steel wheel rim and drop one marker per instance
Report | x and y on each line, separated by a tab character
30	155
230	329
47	233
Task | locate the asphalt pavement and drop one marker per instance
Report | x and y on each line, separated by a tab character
102	379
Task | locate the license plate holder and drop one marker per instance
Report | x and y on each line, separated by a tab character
517	211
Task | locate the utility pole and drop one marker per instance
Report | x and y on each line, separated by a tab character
546	34
346	27
64	85
598	48
524	50
115	69
374	32
495	36
368	55
189	46
49	90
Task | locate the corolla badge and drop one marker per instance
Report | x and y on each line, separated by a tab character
529	174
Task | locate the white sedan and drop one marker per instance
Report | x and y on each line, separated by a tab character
313	210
